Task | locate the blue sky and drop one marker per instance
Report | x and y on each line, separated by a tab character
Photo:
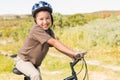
59	6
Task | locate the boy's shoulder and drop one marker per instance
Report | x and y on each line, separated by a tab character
36	28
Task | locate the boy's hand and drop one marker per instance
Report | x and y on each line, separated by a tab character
79	55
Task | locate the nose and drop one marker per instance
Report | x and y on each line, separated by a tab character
44	21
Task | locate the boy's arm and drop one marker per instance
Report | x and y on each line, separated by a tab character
61	47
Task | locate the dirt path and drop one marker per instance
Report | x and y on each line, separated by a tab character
97	63
99	75
93	75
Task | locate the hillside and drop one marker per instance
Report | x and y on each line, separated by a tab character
102	13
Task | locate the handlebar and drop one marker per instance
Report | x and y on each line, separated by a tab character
72	64
76	61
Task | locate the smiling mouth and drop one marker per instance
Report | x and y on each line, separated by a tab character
45	26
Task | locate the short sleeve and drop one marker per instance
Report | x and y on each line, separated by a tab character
40	35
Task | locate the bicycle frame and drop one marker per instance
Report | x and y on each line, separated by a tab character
74	76
72	64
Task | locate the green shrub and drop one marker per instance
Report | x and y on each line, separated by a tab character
98	33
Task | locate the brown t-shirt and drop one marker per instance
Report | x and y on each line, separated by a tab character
35	46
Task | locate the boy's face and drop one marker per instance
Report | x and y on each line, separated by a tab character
43	19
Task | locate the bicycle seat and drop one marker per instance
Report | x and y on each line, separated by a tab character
16	71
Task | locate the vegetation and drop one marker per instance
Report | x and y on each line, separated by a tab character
99	36
6	64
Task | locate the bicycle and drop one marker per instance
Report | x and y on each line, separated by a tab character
72	64
74	75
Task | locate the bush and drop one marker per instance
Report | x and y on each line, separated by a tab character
97	33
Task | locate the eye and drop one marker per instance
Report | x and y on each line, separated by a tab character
40	18
48	18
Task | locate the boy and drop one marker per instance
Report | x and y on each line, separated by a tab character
38	41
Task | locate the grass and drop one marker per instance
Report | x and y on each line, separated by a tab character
6	64
101	42
105	55
65	71
57	65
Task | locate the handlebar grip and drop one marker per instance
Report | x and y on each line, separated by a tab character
78	55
